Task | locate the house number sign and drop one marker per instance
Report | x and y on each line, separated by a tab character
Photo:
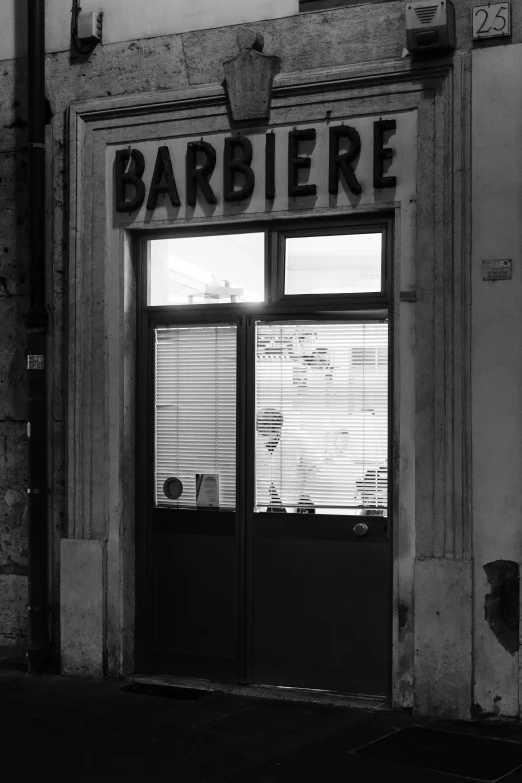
491	20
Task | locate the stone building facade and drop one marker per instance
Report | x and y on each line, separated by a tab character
457	365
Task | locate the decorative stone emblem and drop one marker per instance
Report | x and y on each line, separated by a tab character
249	78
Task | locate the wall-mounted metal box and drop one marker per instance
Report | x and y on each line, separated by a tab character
430	25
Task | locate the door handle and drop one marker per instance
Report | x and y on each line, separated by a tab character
360	529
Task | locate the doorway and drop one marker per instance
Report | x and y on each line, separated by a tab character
264	552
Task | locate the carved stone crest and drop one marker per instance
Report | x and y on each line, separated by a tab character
249	78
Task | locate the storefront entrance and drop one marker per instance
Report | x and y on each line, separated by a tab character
264	552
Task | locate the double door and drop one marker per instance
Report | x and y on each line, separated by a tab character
266	536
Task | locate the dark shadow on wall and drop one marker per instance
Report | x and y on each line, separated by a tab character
14	187
19	275
501	605
18	125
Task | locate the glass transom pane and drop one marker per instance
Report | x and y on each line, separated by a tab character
207	269
336	264
322	417
195	416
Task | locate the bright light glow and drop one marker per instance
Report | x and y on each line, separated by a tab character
182	268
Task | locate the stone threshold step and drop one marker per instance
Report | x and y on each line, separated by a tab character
278	693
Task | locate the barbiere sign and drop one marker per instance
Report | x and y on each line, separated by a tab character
319	165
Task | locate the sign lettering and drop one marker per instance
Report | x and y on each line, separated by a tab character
339	155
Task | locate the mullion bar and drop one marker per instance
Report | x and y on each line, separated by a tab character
248	423
241	453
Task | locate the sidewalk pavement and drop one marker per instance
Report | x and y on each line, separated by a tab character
64	728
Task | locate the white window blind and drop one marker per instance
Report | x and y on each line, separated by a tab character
321	417
195	410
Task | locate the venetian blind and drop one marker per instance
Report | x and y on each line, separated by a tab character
195	410
321	416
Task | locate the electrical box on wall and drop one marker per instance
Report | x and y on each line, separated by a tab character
430	25
90	28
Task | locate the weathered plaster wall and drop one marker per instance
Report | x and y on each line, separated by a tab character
124	20
497	377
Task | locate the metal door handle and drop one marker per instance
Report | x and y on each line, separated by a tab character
360	529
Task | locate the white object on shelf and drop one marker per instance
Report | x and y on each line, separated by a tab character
223	290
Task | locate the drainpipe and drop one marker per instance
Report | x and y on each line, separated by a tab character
36	324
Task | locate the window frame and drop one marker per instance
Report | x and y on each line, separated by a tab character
319	307
276	233
188	520
327	300
329	317
159	505
202	231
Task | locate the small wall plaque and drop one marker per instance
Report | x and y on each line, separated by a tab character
491	20
35	361
497	269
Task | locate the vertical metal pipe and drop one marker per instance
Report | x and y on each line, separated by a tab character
36	323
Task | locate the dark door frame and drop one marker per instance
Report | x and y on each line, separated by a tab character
279	308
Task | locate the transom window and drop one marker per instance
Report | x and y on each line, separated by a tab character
333	264
270	267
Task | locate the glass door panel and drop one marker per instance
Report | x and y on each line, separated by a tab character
195	417
321	417
320	598
194	562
